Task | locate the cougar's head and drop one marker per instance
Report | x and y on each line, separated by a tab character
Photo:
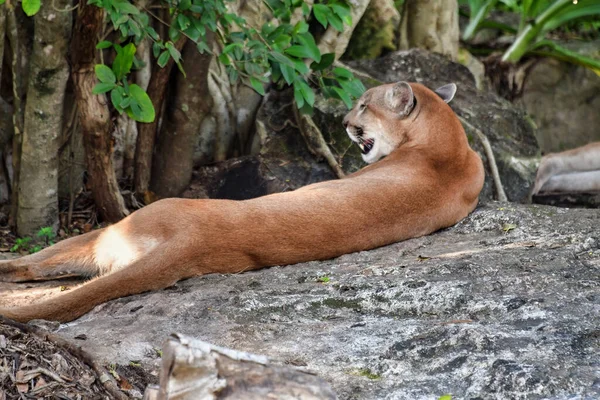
380	120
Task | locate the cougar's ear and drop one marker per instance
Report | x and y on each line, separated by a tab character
447	92
400	98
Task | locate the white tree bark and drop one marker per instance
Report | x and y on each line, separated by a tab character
431	25
38	181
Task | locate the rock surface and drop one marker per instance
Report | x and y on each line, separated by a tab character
505	305
563	99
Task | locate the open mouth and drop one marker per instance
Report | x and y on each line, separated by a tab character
365	145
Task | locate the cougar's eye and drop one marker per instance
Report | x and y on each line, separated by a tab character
362	106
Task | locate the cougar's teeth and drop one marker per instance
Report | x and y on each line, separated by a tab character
362	147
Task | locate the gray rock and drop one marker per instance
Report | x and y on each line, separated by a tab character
505	305
509	130
563	99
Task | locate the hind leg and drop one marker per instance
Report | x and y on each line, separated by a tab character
73	256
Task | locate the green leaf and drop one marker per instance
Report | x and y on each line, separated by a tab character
144	109
224	59
307	93
298	51
300	66
229	48
185	5
300	27
288	73
103	87
31	7
105	44
321	11
298	96
2	2
354	87
163	59
155	49
105	74
343	11
203	47
445	397
126	7
342	72
174	34
336	22
305	9
282	41
342	95
280	58
326	61
257	85
183	21
308	42
175	54
124	60
116	97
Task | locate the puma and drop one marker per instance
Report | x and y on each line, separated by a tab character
571	171
429	179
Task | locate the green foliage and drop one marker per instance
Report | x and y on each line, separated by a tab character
30	7
21	244
282	53
537	19
445	397
45	237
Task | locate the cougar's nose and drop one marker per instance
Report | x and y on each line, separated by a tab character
345	122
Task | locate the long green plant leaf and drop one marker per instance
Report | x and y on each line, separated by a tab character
533	31
479	12
564	54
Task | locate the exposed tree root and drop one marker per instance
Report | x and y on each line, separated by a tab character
316	143
491	159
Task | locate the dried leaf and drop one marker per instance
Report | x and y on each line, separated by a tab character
508	227
21	387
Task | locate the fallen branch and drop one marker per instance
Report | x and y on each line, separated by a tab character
192	368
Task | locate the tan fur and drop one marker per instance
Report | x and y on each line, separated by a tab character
576	170
431	180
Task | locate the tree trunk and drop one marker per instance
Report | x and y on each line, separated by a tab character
94	115
2	34
38	181
431	25
173	159
147	132
14	39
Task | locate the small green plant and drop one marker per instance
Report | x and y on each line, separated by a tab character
45	237
21	244
537	19
445	397
323	279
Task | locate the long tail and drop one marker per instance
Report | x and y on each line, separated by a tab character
144	275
